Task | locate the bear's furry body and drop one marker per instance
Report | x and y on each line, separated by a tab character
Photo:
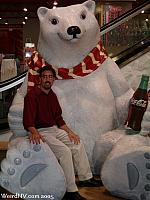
94	106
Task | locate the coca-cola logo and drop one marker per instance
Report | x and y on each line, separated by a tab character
140	102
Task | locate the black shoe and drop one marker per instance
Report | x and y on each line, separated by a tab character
90	183
73	196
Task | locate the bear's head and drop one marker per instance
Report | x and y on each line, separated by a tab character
67	34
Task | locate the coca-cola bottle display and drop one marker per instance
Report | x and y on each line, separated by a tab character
137	107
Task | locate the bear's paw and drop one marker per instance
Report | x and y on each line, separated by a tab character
26	165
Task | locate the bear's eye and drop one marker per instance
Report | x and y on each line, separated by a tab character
54	21
83	16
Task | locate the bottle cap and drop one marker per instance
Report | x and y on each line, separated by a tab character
145	77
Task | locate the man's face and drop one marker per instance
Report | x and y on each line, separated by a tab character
47	79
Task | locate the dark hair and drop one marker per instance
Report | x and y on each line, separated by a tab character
46	68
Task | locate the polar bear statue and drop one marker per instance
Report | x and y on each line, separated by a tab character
94	97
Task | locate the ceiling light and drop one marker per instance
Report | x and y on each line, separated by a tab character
0	18
23	22
26	17
55	3
142	11
25	9
6	22
146	20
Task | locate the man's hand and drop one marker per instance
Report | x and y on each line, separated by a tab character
74	138
35	136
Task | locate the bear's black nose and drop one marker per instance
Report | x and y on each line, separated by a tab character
73	30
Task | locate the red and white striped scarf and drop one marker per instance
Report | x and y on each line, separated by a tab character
89	64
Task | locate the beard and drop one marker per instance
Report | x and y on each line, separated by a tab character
47	85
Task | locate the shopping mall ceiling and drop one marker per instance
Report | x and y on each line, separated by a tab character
11	11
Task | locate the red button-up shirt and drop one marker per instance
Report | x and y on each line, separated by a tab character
41	110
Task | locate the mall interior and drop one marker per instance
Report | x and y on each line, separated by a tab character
125	33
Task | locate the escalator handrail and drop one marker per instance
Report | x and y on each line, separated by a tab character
5	85
145	41
129	53
124	17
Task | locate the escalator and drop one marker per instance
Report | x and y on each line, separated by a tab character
128	35
8	90
125	38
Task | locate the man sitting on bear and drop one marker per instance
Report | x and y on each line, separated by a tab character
42	118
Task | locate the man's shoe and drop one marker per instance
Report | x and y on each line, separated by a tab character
90	183
73	196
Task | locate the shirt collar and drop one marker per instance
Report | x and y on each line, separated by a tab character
38	91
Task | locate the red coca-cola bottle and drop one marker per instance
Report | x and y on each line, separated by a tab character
137	107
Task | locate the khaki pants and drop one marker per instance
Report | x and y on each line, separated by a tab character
68	154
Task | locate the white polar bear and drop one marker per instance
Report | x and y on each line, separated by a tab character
94	100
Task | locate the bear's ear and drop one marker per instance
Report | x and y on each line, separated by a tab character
41	12
90	5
